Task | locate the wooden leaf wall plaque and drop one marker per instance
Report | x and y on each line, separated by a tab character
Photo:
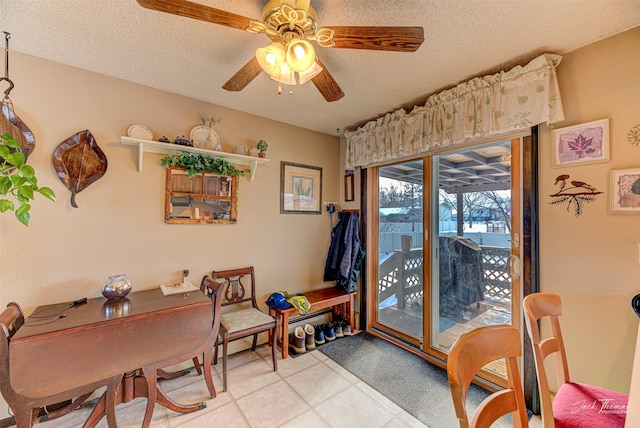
79	162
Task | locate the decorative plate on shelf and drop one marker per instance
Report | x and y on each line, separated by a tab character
204	137
140	132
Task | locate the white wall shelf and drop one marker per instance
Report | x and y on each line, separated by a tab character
166	148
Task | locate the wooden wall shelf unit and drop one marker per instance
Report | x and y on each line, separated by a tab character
167	148
202	199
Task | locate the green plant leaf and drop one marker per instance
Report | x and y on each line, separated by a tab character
6	205
47	193
25	191
16	159
5	185
196	164
10	141
4	151
18	180
22	214
28	171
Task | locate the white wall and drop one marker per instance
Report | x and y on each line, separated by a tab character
592	261
66	253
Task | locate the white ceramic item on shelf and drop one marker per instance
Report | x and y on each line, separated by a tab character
240	150
140	132
204	137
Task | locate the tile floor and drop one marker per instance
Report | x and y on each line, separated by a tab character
308	391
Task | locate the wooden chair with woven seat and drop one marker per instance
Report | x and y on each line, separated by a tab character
241	316
26	399
565	410
472	351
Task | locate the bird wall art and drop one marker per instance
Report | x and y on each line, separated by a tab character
575	194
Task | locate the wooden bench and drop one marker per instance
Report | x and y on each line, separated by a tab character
336	298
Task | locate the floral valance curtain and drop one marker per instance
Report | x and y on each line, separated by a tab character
484	106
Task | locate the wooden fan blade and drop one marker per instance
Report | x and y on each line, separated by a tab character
327	85
399	39
197	11
244	76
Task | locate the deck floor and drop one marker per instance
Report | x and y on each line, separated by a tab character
487	312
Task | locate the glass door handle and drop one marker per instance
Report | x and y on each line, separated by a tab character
514	266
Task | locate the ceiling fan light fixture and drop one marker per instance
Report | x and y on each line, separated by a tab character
289	77
300	55
286	77
291	24
271	58
310	73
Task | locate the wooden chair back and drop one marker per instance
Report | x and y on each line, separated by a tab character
536	307
241	315
11	320
472	351
213	289
239	285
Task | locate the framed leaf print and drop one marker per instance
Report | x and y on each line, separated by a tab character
625	191
580	144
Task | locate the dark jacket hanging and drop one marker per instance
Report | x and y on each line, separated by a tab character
345	253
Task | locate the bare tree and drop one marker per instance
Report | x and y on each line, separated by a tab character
502	204
496	205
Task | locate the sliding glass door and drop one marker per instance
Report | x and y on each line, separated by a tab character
448	245
401	259
474	268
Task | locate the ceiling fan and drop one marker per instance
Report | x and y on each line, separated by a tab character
291	24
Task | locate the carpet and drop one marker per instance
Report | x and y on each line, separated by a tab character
418	387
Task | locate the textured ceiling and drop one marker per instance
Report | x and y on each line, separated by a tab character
463	39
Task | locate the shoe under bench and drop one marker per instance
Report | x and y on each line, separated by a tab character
336	298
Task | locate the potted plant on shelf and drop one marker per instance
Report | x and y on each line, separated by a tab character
197	164
262	146
18	180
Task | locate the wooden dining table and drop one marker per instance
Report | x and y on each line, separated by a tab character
64	345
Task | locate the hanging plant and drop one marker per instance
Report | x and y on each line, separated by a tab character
197	164
18	181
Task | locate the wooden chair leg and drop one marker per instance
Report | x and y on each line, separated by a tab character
225	342
274	352
215	352
255	342
163	374
208	378
196	364
24	417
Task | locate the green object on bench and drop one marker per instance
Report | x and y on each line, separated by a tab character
336	298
